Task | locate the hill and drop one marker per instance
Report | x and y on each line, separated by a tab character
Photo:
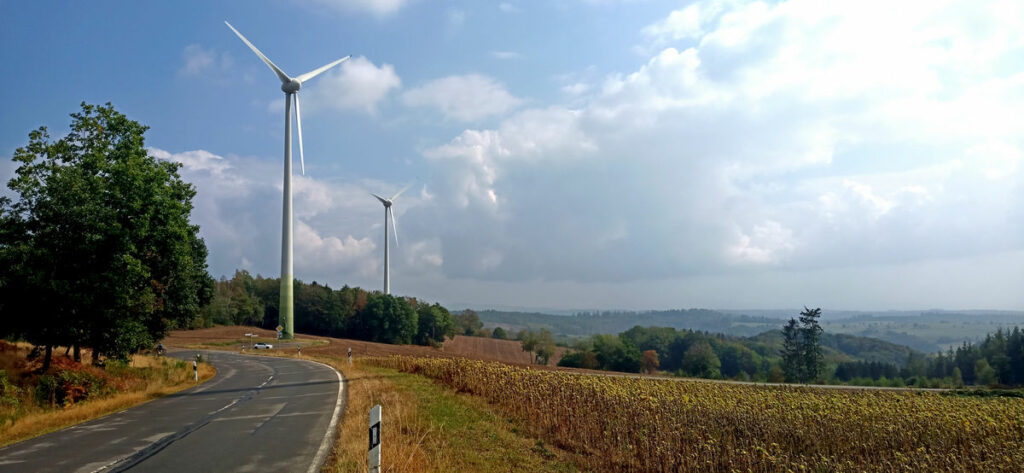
592	323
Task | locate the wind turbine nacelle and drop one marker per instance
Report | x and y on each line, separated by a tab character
291	86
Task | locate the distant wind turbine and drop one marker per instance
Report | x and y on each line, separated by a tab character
290	86
387	211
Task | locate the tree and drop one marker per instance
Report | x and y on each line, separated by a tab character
389	319
468	322
435	324
810	344
986	375
540	344
98	247
791	360
801	347
700	361
499	333
650	361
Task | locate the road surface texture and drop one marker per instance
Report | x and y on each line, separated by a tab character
257	414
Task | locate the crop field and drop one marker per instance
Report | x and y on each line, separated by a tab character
636	424
479	348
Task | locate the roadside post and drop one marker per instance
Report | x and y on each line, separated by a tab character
350	356
195	369
375	439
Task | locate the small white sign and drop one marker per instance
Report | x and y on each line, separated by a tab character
375	439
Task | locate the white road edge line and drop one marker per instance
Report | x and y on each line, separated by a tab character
325	445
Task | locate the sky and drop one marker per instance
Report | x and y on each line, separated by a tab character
574	154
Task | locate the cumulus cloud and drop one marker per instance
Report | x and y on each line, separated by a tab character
357	84
755	135
336	228
464	97
375	7
198	61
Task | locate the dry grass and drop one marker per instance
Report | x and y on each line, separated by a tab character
146	378
429	428
404	432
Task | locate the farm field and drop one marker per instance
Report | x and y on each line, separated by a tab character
479	348
635	424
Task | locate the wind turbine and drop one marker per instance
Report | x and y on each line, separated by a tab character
387	211
290	86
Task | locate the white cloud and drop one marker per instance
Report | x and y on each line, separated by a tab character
456	17
198	61
237	207
357	84
465	98
748	138
506	55
375	7
576	88
507	7
330	253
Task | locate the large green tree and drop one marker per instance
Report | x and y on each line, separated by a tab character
97	245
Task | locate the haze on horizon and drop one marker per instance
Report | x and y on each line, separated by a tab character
604	154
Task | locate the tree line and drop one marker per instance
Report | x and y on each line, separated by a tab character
347	312
800	352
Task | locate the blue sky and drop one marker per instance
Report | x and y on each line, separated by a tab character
575	153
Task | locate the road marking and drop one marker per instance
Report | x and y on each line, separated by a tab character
325	445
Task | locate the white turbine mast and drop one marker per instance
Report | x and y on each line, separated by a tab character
290	86
388	212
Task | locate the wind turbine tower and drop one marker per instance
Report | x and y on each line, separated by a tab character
387	211
290	86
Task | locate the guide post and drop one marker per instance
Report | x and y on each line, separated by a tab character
375	439
195	369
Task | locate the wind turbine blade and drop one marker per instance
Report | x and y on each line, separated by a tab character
381	199
277	70
401	191
315	72
298	126
394	224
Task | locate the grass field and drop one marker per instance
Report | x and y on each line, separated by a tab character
630	424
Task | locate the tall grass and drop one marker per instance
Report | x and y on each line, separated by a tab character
33	404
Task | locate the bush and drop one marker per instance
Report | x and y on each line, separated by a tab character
68	387
10	394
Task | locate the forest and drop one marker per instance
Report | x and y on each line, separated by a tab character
847	359
348	312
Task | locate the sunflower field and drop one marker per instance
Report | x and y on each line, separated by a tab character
637	424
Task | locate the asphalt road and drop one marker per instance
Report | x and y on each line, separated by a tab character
257	414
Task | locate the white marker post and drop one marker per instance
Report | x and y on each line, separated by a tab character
375	439
195	369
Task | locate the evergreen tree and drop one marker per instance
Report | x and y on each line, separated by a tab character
791	360
810	344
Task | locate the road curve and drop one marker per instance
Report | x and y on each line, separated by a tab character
257	414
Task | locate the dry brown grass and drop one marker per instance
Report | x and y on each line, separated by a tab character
405	433
31	420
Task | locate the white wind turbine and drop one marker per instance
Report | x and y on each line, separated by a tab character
290	86
387	211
